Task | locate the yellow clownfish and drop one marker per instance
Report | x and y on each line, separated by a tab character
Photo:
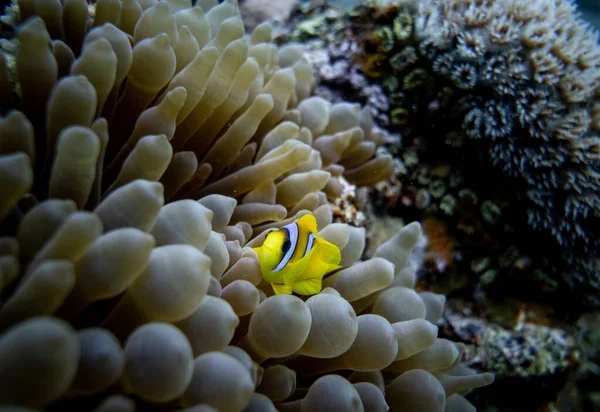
295	259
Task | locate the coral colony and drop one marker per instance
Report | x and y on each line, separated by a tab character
510	83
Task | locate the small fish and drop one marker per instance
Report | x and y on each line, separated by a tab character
295	259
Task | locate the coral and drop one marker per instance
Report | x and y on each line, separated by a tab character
528	358
440	246
490	212
551	149
580	391
475	253
147	148
255	12
511	84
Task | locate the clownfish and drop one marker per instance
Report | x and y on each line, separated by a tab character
295	259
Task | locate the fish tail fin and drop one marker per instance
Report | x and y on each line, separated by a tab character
333	268
328	253
325	258
281	289
308	286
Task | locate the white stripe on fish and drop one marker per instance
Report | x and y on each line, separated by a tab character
292	230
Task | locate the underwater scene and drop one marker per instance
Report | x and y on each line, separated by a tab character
297	206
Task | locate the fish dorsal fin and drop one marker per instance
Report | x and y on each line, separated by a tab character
308	222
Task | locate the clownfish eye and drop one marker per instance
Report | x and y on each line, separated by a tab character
286	245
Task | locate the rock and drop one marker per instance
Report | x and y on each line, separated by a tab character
255	12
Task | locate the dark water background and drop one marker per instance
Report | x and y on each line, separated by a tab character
590	10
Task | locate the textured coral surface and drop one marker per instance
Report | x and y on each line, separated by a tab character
506	83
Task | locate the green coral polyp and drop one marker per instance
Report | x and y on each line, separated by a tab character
403	27
403	59
415	79
490	212
400	116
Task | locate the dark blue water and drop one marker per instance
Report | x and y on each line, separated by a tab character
590	10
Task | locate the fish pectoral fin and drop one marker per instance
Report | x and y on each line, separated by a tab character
321	261
326	252
293	271
308	286
281	289
271	277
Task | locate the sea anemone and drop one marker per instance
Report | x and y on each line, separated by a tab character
148	146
